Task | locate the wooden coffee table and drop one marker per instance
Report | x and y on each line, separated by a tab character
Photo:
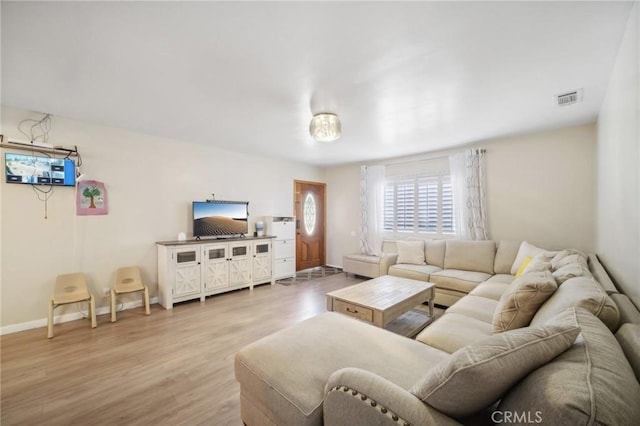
383	300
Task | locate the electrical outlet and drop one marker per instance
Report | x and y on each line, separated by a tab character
106	291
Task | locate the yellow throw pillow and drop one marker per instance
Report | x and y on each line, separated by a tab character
523	265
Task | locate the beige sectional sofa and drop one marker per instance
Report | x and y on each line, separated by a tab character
335	370
455	267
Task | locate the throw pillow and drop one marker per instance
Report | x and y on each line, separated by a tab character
411	252
523	266
538	264
570	270
528	250
591	383
477	376
567	256
521	300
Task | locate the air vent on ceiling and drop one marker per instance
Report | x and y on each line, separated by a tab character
569	98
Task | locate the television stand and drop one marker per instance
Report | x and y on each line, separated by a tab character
199	268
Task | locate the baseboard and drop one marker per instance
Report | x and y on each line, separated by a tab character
103	310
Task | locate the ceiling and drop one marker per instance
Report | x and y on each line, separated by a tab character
404	77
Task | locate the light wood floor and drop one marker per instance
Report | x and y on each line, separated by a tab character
174	367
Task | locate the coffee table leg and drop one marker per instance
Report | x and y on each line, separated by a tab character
431	301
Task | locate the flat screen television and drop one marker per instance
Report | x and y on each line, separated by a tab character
220	218
35	170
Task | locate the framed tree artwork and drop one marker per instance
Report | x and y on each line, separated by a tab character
91	198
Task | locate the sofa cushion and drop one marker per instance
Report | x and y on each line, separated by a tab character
628	337
414	272
582	292
495	363
600	274
411	252
628	311
490	290
567	256
389	247
446	297
453	331
528	250
570	270
434	251
591	383
501	278
506	253
480	308
521	300
291	391
453	279
477	256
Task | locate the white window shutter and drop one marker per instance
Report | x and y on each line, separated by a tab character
423	204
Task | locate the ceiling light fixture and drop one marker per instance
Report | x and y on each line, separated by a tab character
325	127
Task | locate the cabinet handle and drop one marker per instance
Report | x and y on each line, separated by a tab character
352	311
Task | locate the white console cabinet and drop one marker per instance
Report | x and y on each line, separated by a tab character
284	245
262	261
196	269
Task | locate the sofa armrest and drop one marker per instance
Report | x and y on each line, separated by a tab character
386	260
356	396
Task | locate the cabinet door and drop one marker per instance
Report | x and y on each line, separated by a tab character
239	265
216	266
284	248
187	276
261	261
284	230
284	268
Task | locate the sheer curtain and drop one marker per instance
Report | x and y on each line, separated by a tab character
467	180
371	209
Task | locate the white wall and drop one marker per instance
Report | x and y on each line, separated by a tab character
343	212
618	195
150	184
540	188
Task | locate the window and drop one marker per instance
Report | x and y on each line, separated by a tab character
419	204
309	214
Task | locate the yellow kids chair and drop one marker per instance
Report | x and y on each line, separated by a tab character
128	281
71	288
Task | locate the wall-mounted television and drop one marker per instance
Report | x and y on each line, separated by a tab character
220	218
35	170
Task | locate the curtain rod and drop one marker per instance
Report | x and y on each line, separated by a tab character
477	151
414	161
